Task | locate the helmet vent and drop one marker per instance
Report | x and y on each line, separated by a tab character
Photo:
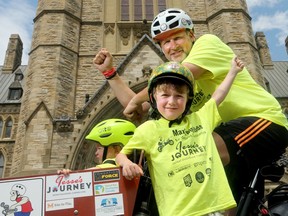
174	11
169	18
156	24
130	133
99	125
157	32
174	25
105	135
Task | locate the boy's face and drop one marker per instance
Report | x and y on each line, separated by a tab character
177	45
171	102
99	150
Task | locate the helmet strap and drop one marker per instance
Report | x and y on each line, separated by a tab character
105	153
177	121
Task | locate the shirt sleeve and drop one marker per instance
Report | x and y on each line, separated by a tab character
210	53
140	140
209	114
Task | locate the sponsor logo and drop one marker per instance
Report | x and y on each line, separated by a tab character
106	175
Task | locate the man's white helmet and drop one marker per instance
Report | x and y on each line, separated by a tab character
169	19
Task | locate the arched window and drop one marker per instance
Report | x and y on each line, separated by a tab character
8	128
1	165
1	127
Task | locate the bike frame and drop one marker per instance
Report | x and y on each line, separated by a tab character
249	195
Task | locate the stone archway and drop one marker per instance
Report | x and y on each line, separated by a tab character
85	152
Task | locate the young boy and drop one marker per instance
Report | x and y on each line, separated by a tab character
109	136
185	168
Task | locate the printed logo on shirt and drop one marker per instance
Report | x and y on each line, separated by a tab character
199	176
200	163
198	98
162	143
187	150
187	132
208	171
187	180
184	133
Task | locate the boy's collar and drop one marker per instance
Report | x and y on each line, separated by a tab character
170	123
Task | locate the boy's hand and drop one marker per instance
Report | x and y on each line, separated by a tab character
131	170
237	65
65	172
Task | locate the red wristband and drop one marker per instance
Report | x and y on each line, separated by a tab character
109	73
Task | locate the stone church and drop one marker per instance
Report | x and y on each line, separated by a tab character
48	106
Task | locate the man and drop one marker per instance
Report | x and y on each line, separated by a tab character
254	131
109	136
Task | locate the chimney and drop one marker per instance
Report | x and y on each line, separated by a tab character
13	55
263	50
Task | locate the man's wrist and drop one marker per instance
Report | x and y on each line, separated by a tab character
109	74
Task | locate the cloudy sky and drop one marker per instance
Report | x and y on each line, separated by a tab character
269	16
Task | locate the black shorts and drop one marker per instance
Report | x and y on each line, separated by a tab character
252	143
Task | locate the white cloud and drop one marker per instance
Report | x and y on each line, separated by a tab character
16	17
271	17
255	3
277	21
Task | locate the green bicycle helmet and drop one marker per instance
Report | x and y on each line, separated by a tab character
171	70
112	131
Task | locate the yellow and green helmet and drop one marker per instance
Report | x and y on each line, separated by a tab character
173	70
112	131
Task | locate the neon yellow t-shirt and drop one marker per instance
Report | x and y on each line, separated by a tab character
108	163
246	97
186	171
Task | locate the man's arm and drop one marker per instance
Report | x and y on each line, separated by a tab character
121	90
135	106
195	70
103	61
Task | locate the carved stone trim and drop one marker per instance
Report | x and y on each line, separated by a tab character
146	71
109	28
63	124
125	35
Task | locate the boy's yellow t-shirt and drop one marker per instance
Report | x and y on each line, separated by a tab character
246	97
186	171
108	163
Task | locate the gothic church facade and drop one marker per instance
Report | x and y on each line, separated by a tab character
64	96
